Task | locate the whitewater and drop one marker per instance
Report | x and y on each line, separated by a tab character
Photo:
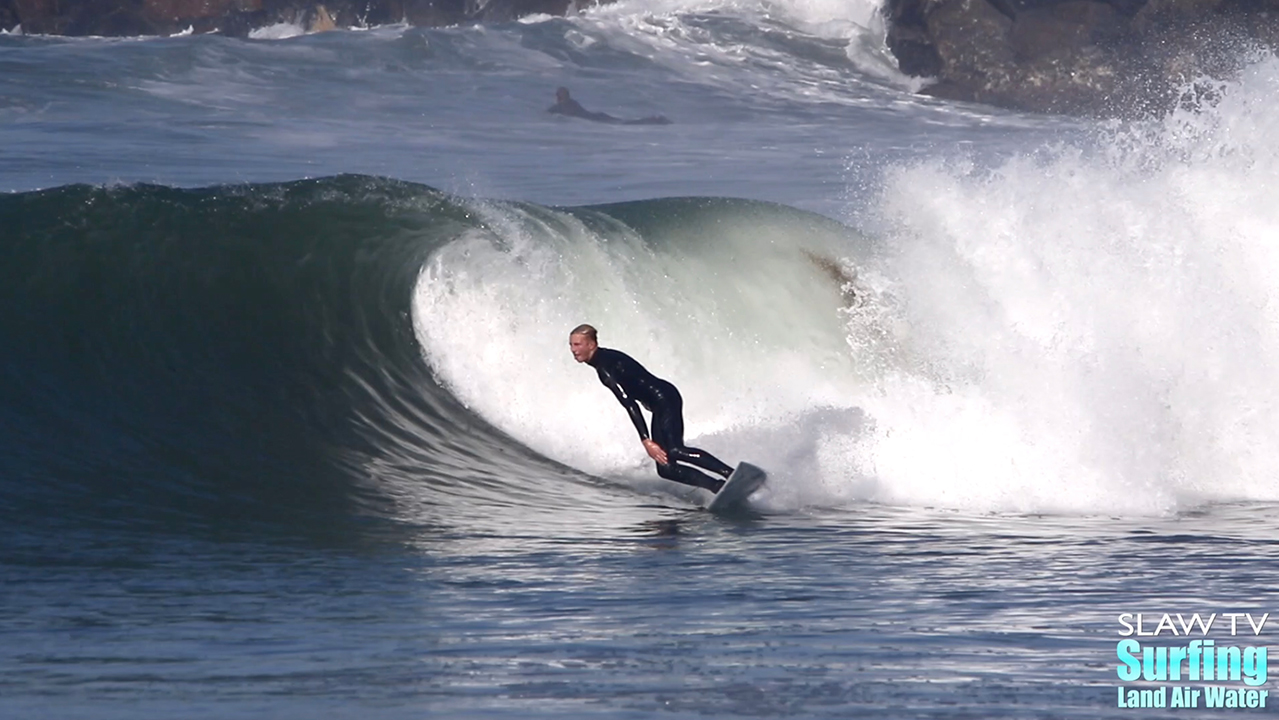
289	425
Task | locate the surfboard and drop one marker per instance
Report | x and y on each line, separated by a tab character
745	480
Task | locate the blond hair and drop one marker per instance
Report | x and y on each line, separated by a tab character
587	330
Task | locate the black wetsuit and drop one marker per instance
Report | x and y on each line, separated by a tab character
633	385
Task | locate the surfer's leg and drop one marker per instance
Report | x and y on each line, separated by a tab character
689	476
668	432
668	421
700	458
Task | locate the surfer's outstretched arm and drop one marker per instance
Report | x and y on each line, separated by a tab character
628	402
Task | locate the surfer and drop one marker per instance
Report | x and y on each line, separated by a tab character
633	386
565	105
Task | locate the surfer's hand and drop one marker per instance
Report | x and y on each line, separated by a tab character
655	451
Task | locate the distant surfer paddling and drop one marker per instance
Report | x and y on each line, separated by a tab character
565	105
635	386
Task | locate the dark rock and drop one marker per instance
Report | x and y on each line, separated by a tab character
1090	57
236	24
8	16
909	39
433	13
1061	29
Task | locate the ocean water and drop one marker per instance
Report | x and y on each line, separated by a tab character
289	426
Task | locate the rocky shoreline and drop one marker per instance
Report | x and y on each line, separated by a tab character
1109	58
1106	58
237	18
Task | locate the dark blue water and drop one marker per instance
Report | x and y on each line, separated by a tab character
288	425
